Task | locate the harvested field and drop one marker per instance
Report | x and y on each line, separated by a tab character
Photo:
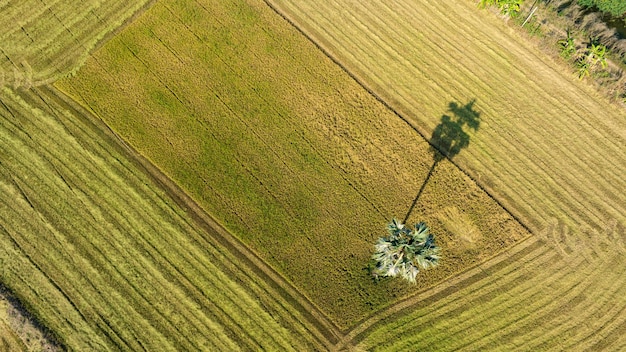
109	261
279	144
43	40
532	301
549	148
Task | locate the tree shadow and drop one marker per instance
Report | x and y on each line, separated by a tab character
449	138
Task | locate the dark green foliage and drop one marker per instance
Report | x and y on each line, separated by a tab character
590	58
614	7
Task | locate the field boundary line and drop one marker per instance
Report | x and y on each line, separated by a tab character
327	334
475	273
108	36
308	33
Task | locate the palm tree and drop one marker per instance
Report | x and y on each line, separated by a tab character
405	251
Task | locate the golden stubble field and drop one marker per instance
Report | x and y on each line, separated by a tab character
44	40
272	137
284	148
549	148
107	259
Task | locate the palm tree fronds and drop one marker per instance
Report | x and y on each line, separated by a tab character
405	251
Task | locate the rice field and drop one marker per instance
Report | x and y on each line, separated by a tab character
236	204
43	40
531	301
549	148
293	156
107	259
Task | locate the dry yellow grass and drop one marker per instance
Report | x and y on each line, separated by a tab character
18	329
549	147
108	260
9	341
276	141
41	41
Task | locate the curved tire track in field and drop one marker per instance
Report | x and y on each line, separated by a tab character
508	309
528	247
327	333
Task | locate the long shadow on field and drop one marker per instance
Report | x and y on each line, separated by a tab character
449	138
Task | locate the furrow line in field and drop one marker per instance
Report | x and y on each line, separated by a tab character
538	310
457	325
244	165
61	36
389	29
529	52
353	49
83	41
569	191
284	117
42	259
343	173
89	256
251	279
240	330
330	44
566	122
354	34
186	206
17	14
600	310
315	39
612	338
15	278
577	291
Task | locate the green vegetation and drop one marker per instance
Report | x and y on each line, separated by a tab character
614	7
106	259
567	47
279	144
509	308
42	41
403	252
300	162
509	8
590	59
